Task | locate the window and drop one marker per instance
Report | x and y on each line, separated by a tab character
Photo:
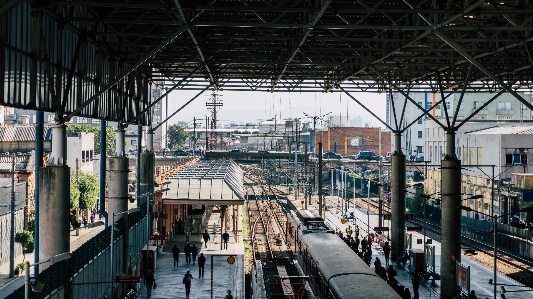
133	142
419	149
157	119
448	105
522	106
486	206
420	121
419	134
157	107
504	106
477	104
480	155
50	118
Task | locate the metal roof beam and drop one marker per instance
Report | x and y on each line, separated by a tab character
313	23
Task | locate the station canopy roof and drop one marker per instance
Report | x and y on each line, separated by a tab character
217	182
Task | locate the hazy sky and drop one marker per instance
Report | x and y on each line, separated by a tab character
253	106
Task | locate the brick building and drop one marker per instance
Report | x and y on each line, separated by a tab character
352	140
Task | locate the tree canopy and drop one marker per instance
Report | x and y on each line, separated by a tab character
74	192
110	136
88	186
177	137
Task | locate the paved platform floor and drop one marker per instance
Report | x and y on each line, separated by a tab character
219	275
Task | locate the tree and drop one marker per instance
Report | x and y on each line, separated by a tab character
74	192
24	238
177	137
88	186
110	136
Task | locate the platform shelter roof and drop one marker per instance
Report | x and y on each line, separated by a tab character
216	182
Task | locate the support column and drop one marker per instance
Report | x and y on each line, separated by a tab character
397	199
54	198
451	217
117	190
320	203
39	139
146	173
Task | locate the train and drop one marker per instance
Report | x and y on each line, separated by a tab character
334	269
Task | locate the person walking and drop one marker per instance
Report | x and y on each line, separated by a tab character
386	251
191	221
229	295
201	263
180	226
225	238
206	237
187	281
357	242
194	252
187	250
363	244
416	285
176	255
357	231
149	281
85	222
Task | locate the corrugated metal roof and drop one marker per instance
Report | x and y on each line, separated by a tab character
213	182
22	133
505	130
22	162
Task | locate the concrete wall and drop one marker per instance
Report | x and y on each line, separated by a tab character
81	146
5	234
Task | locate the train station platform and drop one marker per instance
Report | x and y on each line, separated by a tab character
219	275
479	274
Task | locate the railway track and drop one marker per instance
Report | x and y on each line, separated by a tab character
267	222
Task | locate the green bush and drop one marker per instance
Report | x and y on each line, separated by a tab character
24	238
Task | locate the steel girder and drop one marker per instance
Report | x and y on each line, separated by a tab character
85	47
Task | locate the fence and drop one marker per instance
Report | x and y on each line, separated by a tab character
90	266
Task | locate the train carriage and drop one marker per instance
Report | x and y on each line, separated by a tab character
338	271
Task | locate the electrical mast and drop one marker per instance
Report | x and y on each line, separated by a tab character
213	104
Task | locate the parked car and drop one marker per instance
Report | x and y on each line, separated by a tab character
420	159
181	153
331	155
367	155
388	157
262	152
235	150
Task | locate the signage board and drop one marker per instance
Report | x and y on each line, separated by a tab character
159	237
128	279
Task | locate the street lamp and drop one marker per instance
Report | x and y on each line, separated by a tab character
37	286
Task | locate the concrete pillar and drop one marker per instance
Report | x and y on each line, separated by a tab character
397	199
146	174
120	142
117	189
451	217
59	145
54	215
150	140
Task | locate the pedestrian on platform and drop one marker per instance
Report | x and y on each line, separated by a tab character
206	237
349	231
201	263
85	222
416	285
391	272
357	230
149	280
225	238
187	250
176	255
363	244
377	263
194	252
229	295
180	226
92	218
370	239
187	281
191	222
386	251
472	295
357	242
406	294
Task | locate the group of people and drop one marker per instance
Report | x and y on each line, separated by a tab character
363	248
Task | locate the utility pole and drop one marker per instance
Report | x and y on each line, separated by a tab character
206	138
194	134
12	234
320	203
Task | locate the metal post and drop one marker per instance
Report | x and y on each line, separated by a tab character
320	203
39	136
368	209
27	281
397	199
211	276
425	268
12	234
103	145
111	249
495	218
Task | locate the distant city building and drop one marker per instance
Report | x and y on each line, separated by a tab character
505	107
350	141
81	149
